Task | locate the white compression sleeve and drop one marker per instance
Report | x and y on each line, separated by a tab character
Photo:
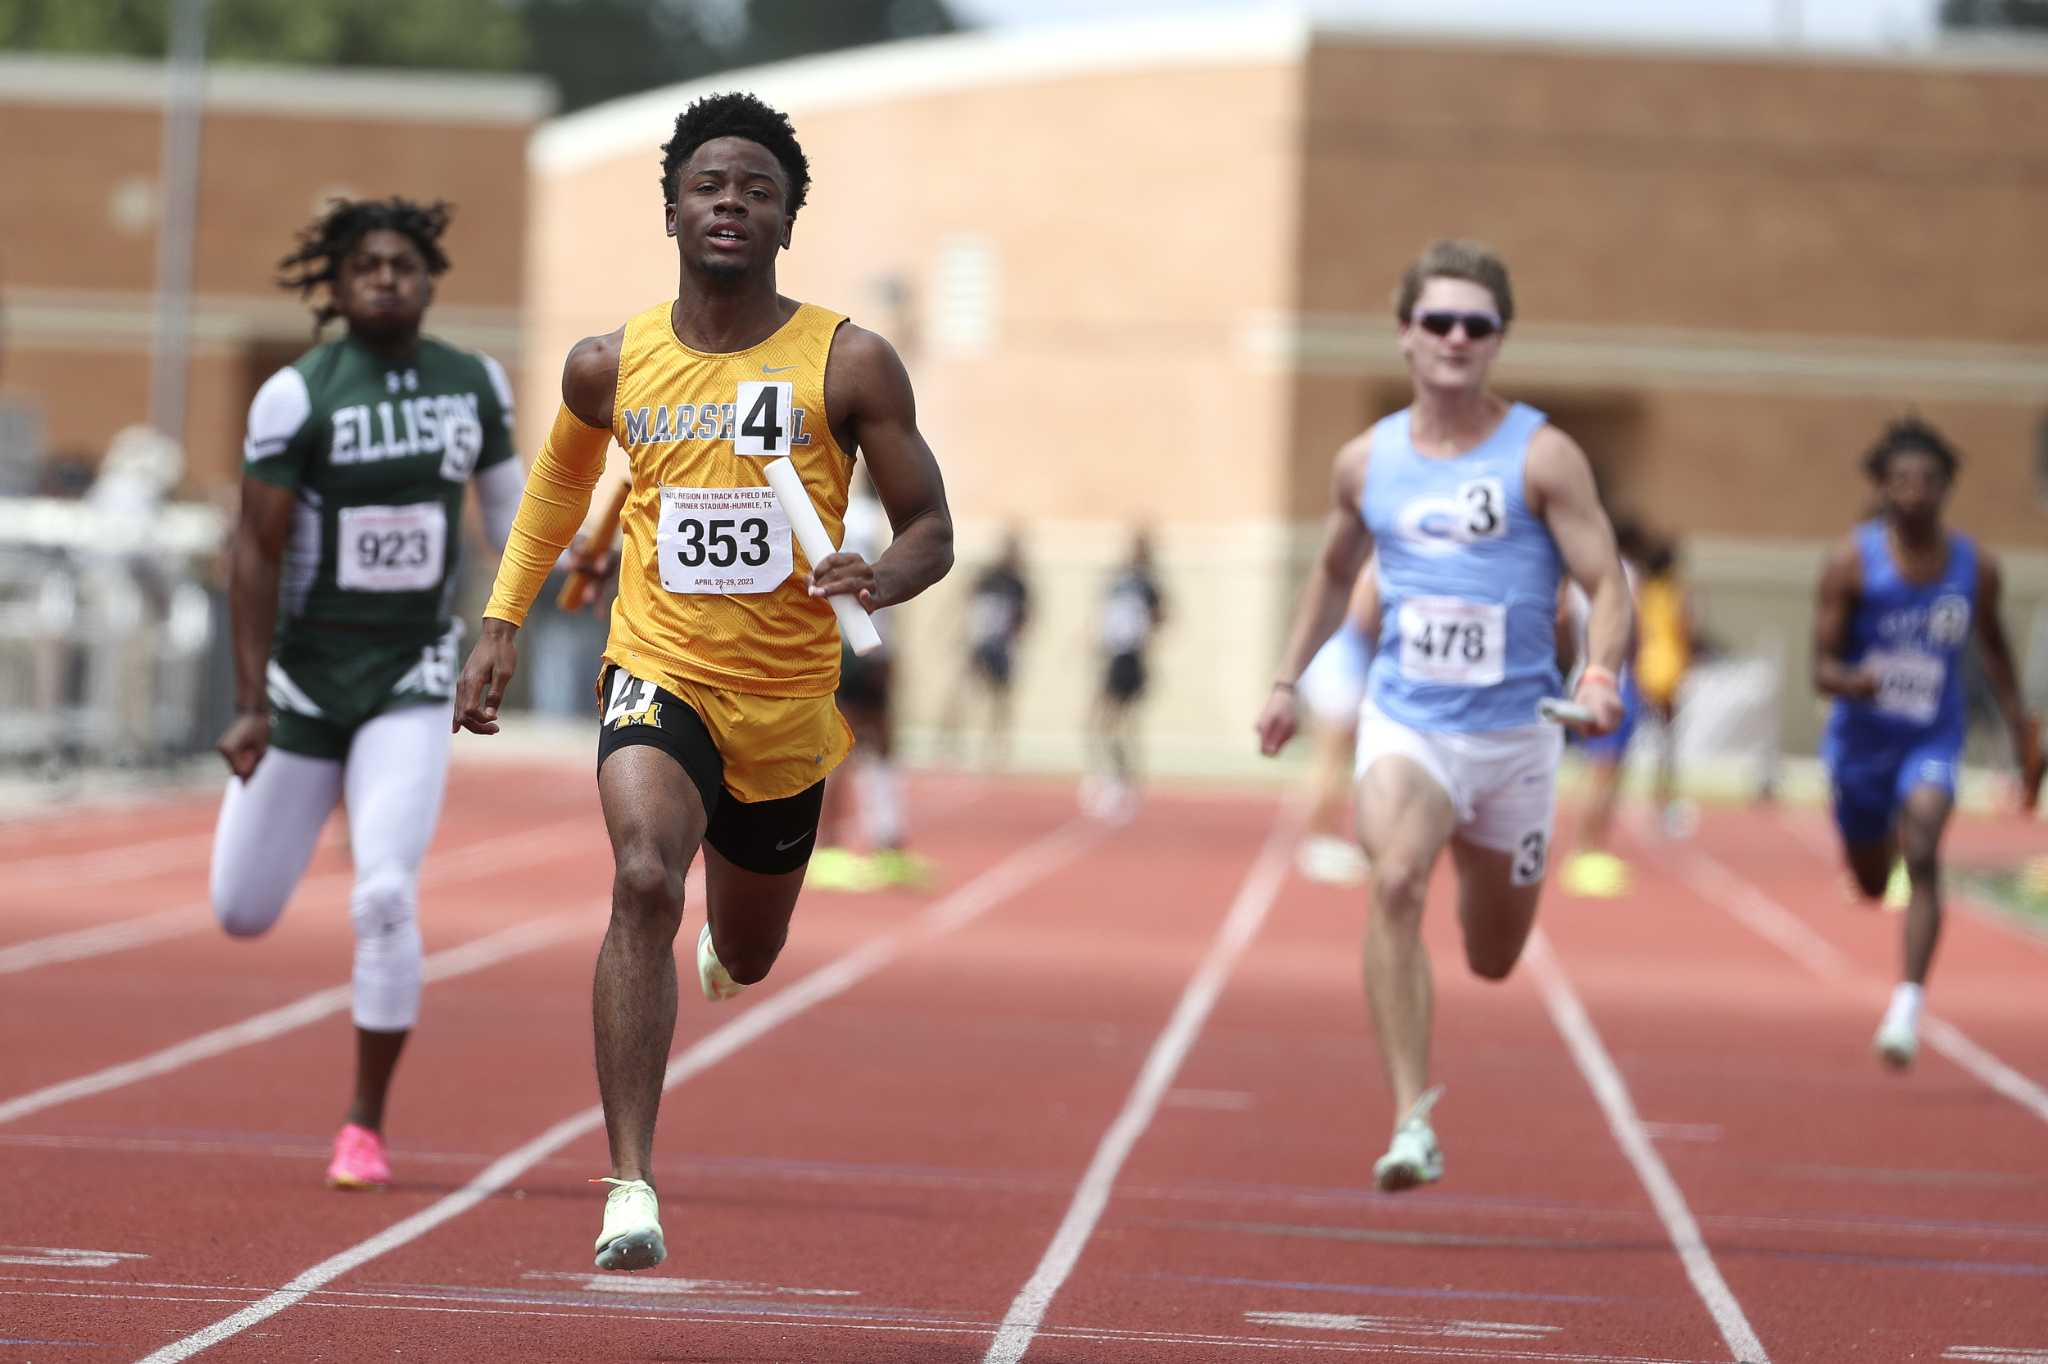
497	498
397	772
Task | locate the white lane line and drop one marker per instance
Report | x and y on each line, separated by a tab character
2004	920
1254	899
1952	1043
101	939
481	858
792	1318
102	865
1766	918
1602	1076
444	965
977	897
1770	919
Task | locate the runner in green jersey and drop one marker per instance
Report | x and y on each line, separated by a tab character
342	569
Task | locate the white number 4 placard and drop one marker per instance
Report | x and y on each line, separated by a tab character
767	415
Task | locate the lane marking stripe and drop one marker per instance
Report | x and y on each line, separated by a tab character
1604	1078
977	897
444	965
1769	919
1254	899
474	859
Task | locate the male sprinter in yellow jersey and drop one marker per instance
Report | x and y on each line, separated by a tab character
719	725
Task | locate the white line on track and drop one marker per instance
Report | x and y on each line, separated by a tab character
482	858
1815	837
786	1319
1031	863
474	955
1254	899
102	939
1770	920
115	863
1604	1078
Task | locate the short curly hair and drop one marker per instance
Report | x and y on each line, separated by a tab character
1910	433
736	114
325	243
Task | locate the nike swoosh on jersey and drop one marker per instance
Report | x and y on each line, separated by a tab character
777	369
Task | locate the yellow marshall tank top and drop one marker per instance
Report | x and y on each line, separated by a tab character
711	580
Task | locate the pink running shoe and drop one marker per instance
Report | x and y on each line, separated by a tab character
359	1161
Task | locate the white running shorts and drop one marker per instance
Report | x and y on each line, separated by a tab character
1501	782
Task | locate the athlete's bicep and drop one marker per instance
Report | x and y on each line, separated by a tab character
1347	541
264	522
865	379
1990	593
1560	485
1835	602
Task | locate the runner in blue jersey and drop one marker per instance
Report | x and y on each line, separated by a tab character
1477	508
1897	604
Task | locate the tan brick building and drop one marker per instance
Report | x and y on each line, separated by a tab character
79	152
1142	273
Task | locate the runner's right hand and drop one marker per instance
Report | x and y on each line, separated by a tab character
1277	721
481	688
244	742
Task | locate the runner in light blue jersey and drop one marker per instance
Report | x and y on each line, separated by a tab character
1477	508
1899	601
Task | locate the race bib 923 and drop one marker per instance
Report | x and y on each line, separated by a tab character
723	540
391	549
1453	641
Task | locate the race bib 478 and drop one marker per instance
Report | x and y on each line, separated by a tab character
1453	641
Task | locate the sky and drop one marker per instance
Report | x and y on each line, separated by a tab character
1819	23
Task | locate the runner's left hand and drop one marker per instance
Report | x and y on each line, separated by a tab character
1599	696
2033	765
841	573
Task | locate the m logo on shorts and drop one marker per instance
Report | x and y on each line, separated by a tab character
647	715
632	702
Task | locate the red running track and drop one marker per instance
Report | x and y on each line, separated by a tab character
1099	1095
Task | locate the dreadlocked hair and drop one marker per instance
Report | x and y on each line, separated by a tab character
1910	433
736	115
326	242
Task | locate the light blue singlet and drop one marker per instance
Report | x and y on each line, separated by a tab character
1468	581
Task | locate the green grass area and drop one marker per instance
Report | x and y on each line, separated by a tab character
2021	891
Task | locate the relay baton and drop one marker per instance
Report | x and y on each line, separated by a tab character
1559	711
577	589
854	621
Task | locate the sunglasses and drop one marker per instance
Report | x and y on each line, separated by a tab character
1478	326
